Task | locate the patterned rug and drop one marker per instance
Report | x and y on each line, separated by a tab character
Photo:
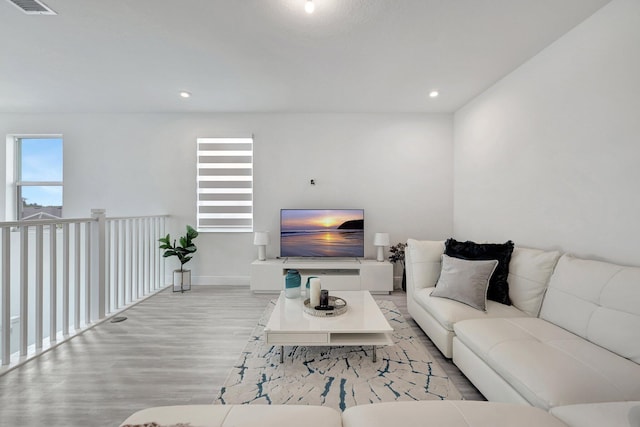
339	377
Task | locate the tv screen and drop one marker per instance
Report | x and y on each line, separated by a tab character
322	233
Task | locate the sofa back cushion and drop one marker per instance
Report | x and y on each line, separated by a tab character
423	263
598	301
529	273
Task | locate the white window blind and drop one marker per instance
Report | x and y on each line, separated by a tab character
225	184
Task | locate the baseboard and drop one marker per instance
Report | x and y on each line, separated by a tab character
220	280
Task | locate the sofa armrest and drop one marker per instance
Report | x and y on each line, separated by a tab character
610	414
422	263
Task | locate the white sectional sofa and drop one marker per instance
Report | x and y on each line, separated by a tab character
406	414
572	335
448	413
529	272
566	353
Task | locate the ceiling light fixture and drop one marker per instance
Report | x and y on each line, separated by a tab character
433	94
185	94
309	7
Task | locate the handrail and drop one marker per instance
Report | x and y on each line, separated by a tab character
120	218
80	270
33	222
30	222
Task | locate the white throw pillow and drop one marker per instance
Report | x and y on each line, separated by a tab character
465	281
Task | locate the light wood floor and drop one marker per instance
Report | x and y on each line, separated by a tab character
172	349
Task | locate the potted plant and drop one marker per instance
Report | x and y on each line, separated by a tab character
184	252
397	255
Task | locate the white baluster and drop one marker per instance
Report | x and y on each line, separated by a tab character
98	261
6	296
156	262
130	260
87	273
24	288
159	254
107	267
156	246
145	255
116	264
39	285
134	259
77	286
65	279
53	283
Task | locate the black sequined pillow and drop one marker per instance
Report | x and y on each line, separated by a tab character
498	285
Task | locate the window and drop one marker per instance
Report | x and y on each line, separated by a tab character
38	177
225	184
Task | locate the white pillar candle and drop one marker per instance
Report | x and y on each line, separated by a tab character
314	292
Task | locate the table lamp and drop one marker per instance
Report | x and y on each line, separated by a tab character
381	240
261	240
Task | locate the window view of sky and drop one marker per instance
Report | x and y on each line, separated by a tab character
41	160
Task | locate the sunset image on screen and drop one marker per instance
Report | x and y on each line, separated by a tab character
316	232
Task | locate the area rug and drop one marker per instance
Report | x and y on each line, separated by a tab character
339	377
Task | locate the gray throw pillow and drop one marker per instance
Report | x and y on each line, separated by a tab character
465	281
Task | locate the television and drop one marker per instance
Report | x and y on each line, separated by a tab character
322	233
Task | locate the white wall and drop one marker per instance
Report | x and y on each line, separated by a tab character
398	167
549	156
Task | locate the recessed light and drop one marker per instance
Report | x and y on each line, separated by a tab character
185	94
309	7
433	94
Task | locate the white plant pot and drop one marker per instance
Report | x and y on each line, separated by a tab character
181	280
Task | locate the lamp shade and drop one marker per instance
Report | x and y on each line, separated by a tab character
381	239
261	238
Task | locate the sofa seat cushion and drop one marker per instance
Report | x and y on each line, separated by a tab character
610	414
449	413
548	365
447	312
238	416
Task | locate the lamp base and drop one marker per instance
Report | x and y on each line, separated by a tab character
262	253
380	257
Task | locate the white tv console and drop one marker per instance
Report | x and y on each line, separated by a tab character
344	274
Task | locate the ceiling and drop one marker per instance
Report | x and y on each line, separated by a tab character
269	55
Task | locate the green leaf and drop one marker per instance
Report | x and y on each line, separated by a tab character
191	233
184	250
